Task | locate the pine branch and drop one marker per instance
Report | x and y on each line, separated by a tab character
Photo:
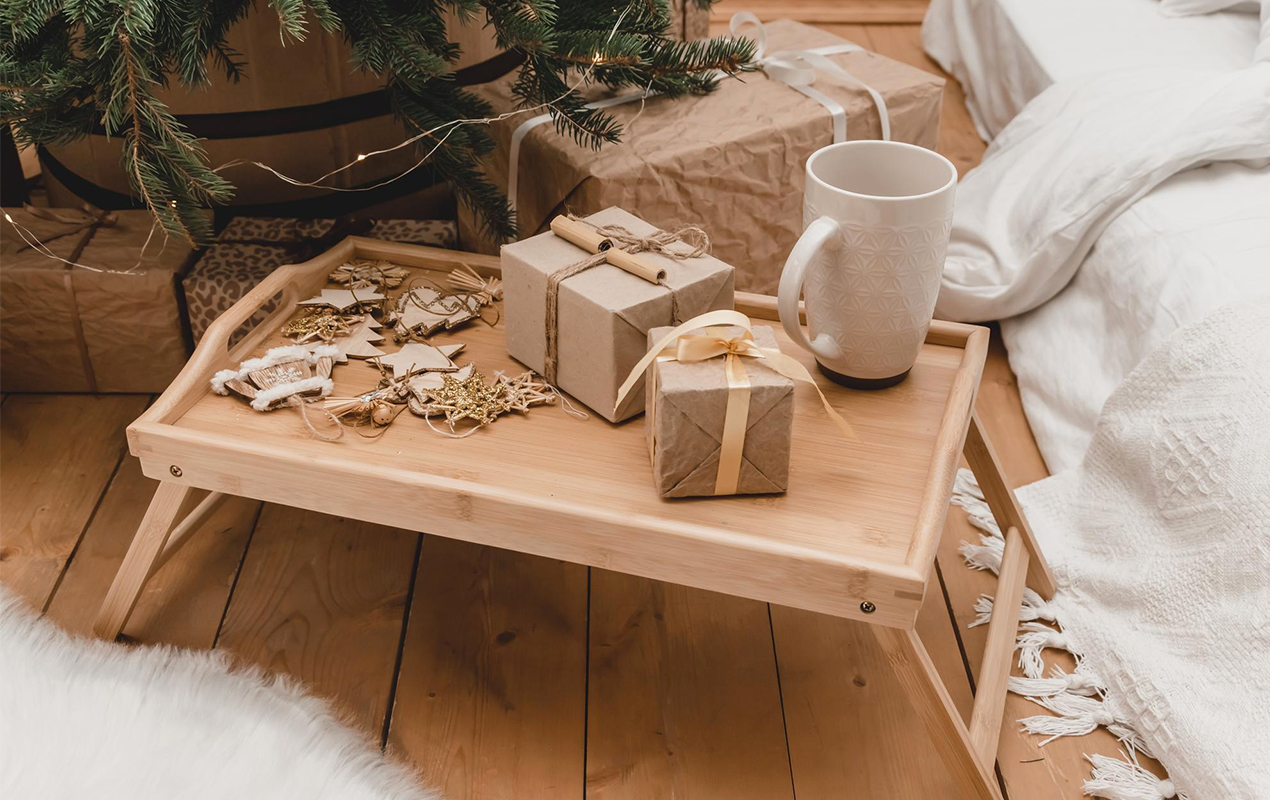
66	65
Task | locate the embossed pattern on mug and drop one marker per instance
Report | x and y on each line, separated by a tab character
875	289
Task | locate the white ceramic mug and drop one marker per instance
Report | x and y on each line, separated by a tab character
876	219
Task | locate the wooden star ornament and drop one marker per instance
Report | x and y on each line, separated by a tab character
416	357
342	299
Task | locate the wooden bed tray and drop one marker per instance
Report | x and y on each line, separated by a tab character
855	535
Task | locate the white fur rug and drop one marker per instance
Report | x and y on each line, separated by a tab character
81	718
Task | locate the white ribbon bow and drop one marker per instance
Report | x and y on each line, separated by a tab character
794	68
797	70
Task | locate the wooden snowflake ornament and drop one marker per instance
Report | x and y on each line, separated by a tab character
363	274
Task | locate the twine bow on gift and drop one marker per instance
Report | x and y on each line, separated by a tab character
709	336
616	245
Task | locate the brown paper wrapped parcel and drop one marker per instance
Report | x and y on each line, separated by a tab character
113	325
720	406
688	403
730	162
603	314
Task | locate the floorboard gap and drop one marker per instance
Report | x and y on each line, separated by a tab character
101	498
952	617
780	692
401	645
586	682
229	598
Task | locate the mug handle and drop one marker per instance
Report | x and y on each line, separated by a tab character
809	245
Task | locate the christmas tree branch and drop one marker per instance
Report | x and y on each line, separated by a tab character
67	65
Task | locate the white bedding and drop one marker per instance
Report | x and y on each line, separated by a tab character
1197	241
1005	52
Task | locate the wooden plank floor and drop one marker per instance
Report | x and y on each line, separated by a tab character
503	675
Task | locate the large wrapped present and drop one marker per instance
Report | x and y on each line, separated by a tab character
584	329
689	20
109	321
249	248
730	162
704	440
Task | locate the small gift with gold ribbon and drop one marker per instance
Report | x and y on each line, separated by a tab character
720	407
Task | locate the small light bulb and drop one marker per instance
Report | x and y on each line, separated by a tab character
361	156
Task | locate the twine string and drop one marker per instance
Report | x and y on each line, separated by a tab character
298	402
662	243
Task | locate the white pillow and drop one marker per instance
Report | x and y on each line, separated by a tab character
1189	8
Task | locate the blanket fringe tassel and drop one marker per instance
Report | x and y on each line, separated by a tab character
1077	700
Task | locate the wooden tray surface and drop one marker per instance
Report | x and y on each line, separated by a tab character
852	528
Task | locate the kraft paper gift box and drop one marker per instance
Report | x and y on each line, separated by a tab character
730	162
603	314
687	405
112	325
249	248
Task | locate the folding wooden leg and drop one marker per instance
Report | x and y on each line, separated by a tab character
972	772
1005	509
998	653
156	540
1021	563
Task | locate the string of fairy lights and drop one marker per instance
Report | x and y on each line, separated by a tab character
321	182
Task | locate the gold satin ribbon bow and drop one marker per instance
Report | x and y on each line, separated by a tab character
684	344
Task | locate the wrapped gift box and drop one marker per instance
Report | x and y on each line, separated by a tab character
251	247
111	325
604	313
731	162
689	20
687	404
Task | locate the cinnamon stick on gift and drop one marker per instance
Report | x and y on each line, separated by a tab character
592	241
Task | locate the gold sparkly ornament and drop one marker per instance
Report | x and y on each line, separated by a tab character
474	400
427	381
322	324
362	273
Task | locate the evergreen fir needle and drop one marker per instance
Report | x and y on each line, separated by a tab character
69	66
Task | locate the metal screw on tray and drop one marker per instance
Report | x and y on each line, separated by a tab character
868	607
175	470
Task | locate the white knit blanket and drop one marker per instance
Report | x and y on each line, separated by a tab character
1160	542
